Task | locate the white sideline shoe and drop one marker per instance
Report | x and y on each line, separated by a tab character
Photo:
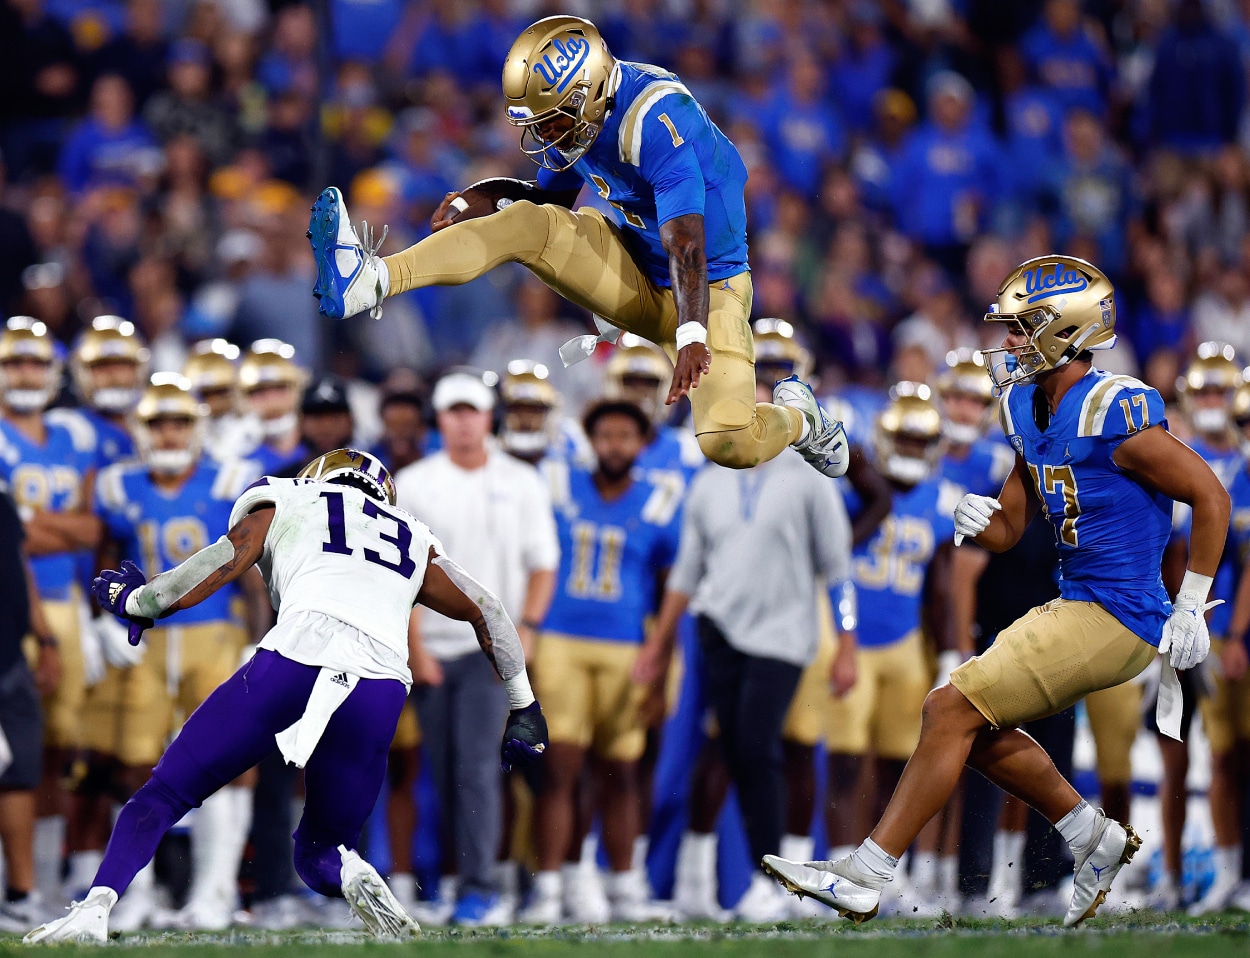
351	278
87	922
763	902
826	447
372	902
840	885
1112	847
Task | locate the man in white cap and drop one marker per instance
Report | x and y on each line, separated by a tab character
494	510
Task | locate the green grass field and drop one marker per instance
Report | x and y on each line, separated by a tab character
1147	936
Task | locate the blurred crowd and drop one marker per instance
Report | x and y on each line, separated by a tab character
159	159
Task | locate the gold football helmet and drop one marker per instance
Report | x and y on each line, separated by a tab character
351	467
110	340
1241	402
908	438
1064	306
211	367
529	404
26	338
168	396
1208	388
559	67
270	362
778	352
640	372
964	376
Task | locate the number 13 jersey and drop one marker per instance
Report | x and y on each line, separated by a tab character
1110	530
333	549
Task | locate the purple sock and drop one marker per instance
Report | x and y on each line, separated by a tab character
320	867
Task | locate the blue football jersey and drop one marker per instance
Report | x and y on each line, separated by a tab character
610	553
982	469
659	156
48	478
889	568
671	458
1226	464
1110	531
272	462
158	531
1239	524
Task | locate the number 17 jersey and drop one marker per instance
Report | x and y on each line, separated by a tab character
1110	530
335	550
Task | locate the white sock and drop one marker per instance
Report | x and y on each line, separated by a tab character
1077	827
404	887
924	873
638	856
109	896
49	847
696	858
144	880
547	885
384	276
211	844
589	855
806	431
797	848
948	876
448	887
873	859
1008	863
1228	863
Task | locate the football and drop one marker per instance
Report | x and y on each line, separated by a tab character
488	196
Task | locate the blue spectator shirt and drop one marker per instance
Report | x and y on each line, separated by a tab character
982	470
945	184
1076	68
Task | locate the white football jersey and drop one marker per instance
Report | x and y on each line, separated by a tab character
334	550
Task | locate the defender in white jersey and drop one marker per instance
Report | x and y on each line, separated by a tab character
344	568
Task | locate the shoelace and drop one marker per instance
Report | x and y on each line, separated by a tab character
370	250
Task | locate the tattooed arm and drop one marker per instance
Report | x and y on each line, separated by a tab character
452	592
683	240
205	572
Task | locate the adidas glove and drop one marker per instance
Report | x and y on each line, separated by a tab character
972	516
524	737
1186	640
113	587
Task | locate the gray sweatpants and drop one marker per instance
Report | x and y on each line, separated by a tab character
462	721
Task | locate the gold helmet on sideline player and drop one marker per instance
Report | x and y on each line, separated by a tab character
1208	387
1062	304
908	438
352	467
967	396
26	339
640	372
268	366
558	67
213	370
529	409
778	352
169	396
111	350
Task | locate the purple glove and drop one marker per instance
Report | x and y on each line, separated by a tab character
524	737
112	588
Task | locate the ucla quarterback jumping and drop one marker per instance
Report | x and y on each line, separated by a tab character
1093	452
672	268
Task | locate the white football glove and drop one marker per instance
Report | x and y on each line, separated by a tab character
118	652
1186	640
972	516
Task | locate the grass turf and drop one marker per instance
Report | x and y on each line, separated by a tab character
1144	936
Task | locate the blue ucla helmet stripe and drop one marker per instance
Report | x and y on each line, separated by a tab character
630	137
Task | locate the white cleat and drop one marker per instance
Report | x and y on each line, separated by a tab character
763	903
544	910
351	278
87	922
840	885
372	902
1218	897
1112	847
826	447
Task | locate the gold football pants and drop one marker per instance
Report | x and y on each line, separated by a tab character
582	257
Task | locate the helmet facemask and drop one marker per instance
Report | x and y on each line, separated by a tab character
571	145
24	399
171	461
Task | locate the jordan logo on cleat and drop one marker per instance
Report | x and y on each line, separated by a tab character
831	886
1098	871
341	679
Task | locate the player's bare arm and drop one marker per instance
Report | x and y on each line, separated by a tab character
873	492
1158	460
1019	505
684	242
657	650
81	528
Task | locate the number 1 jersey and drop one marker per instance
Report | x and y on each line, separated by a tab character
1110	530
335	550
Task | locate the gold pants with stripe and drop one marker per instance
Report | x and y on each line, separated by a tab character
583	257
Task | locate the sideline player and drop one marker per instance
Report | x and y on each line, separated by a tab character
1094	453
344	567
673	270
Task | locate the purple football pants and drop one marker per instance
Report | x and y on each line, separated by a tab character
232	731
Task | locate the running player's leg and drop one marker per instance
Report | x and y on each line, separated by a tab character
342	781
224	737
583	258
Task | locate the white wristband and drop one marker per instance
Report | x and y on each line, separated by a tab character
459	204
690	332
1199	585
519	692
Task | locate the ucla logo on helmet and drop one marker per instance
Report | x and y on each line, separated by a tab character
560	64
1047	281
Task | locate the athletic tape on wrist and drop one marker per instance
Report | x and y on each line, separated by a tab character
690	332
